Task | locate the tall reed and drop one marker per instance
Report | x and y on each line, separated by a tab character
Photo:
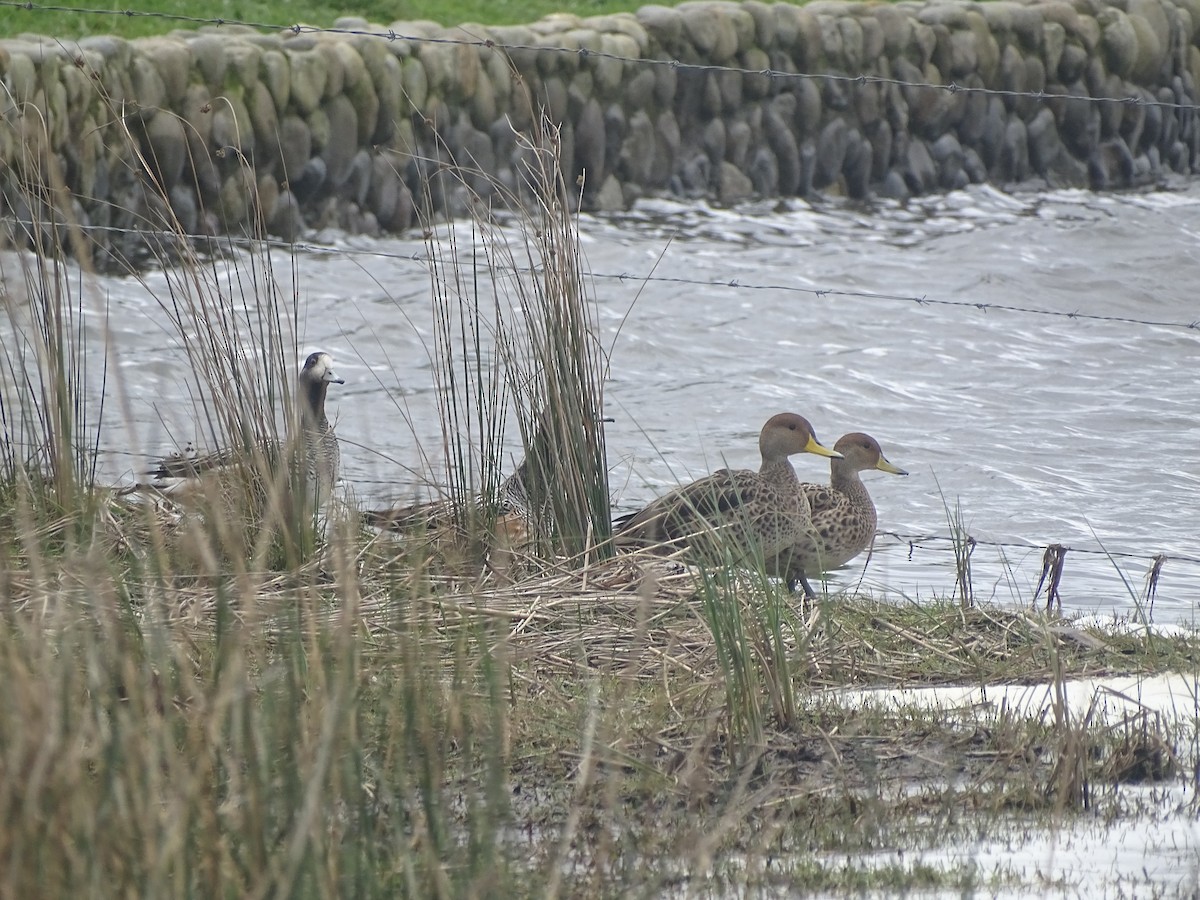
516	331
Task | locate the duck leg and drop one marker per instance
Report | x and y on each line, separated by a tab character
798	577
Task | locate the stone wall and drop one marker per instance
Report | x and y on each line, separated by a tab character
352	130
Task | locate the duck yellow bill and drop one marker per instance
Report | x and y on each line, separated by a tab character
884	466
821	450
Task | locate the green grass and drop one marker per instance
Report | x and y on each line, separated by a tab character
283	13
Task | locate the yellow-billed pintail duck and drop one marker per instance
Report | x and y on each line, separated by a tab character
842	511
754	516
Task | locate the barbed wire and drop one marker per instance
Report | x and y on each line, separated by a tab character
912	540
921	540
733	283
392	35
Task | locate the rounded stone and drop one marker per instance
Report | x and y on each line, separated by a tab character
638	150
342	146
204	171
972	164
693	178
880	138
354	68
184	208
963	56
267	195
873	41
383	69
808	106
729	84
852	43
264	117
894	186
616	129
310	181
763	173
331	65
1110	165
666	81
764	22
831	152
1154	34
286	220
668	140
856	170
896	28
166	149
173	60
357	182
1177	157
231	124
991	142
293	146
733	186
970	127
1013	164
366	108
1133	121
276	74
242	60
867	103
830	47
663	24
591	144
1074	60
1111	114
783	144
712	33
713	140
1079	120
1044	144
739	138
308	80
237	198
208	51
21	78
756	86
1119	42
1152	128
1035	81
610	73
920	173
1054	41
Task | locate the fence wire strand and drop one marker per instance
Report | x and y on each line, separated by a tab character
422	259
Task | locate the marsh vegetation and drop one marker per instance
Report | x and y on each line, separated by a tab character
233	699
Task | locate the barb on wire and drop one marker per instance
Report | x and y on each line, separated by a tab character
1152	576
392	35
1052	568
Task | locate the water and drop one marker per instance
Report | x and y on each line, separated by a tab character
1039	428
